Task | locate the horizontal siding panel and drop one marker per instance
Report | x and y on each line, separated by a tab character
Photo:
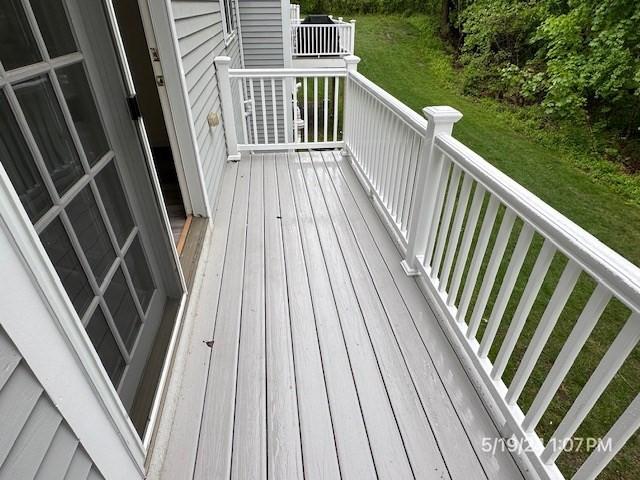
194	40
201	55
9	359
186	8
80	466
187	26
262	33
17	399
201	39
33	442
58	458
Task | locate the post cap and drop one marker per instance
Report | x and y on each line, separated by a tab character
351	59
222	60
441	114
352	21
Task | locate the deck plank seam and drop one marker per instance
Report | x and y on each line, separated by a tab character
209	357
348	355
285	159
217	323
384	307
350	188
366	327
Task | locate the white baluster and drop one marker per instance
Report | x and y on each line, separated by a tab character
506	289
465	245
617	353
336	97
572	346
492	270
611	443
456	229
549	318
274	106
451	196
524	307
478	256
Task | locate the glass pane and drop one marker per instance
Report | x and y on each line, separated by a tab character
106	346
77	93
64	259
139	271
19	165
47	124
91	232
115	202
17	45
54	27
123	310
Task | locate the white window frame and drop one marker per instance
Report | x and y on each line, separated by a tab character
230	32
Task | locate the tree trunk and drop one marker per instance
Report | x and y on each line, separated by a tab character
444	19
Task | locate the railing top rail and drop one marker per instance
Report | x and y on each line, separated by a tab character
415	120
601	262
336	23
286	72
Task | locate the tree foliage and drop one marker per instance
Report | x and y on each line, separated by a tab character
577	58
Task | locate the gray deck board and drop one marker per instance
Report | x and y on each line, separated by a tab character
326	360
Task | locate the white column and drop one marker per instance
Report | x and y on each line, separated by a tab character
440	121
226	100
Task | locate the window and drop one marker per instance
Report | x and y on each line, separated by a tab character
229	19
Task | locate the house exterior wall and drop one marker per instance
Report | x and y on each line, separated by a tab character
36	441
262	37
200	36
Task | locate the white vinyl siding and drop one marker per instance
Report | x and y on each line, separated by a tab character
201	38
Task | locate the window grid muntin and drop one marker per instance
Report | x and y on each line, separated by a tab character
48	67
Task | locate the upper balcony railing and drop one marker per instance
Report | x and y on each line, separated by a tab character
454	216
336	39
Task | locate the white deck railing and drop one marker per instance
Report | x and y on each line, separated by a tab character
453	216
323	40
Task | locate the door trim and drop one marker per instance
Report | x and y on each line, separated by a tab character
163	29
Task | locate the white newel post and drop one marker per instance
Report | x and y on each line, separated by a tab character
353	37
226	100
351	63
440	121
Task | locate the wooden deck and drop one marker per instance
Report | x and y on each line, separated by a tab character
326	360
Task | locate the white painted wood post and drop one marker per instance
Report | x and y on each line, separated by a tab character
353	37
351	64
440	121
226	100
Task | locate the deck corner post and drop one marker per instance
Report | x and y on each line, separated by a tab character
226	100
440	120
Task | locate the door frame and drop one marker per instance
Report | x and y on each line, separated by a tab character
158	22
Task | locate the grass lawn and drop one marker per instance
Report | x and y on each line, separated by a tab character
405	56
